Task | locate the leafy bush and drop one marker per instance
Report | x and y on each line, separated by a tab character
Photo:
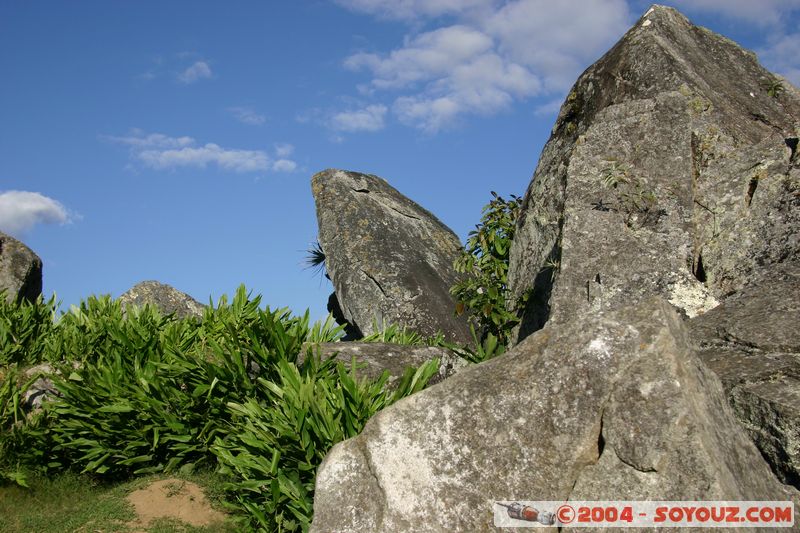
484	290
24	326
142	392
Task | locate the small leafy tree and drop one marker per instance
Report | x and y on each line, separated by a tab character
484	290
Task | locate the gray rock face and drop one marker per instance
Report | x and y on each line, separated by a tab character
166	298
20	270
752	342
374	358
670	171
390	260
614	405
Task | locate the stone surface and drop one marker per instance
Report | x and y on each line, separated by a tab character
390	260
752	342
166	298
20	270
670	171
373	358
611	405
42	389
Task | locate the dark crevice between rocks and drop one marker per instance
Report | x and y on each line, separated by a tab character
791	142
366	191
405	214
751	190
698	269
537	309
351	331
775	456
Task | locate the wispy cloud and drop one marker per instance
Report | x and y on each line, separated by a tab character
283	149
202	156
139	139
495	54
20	211
163	152
284	165
247	115
416	9
370	118
197	71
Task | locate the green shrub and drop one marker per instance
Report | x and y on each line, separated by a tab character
484	290
278	443
143	392
24	327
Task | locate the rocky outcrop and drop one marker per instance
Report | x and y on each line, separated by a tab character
752	342
672	170
610	406
167	299
390	260
20	270
373	358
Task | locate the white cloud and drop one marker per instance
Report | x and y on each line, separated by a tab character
283	149
247	115
284	165
415	9
370	118
138	139
480	66
781	56
429	55
202	156
160	152
557	40
197	71
454	71
22	210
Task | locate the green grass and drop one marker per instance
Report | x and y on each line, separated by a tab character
71	502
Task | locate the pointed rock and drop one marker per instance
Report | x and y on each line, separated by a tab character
672	170
390	260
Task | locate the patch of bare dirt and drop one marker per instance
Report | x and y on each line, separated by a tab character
176	499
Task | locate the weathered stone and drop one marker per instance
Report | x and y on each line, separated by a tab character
670	171
373	358
752	342
20	270
390	260
40	390
612	405
167	299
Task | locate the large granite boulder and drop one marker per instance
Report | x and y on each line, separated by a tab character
20	270
168	299
672	170
374	358
390	260
614	405
752	342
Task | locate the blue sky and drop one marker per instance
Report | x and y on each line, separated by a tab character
175	140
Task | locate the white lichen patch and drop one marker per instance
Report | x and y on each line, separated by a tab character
646	23
693	298
404	472
599	348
